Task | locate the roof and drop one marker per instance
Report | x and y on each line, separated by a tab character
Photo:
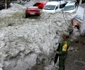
55	2
70	3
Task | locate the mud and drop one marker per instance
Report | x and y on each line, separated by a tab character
76	56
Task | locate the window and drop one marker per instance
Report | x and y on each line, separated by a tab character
69	7
49	7
62	5
56	8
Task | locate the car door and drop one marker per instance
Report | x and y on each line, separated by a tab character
57	9
60	7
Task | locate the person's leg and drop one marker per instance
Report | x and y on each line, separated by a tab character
56	58
61	64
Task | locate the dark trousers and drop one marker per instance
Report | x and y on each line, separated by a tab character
56	58
61	63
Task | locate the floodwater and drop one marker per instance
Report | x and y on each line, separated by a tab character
76	56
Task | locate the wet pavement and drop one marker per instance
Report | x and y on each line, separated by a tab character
76	55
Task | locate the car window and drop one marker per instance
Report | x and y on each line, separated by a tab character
49	7
75	5
69	7
62	5
56	8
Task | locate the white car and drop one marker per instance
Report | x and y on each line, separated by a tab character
54	6
70	7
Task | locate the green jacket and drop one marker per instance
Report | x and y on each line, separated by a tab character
64	48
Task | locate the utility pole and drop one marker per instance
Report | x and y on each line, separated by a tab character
80	2
5	4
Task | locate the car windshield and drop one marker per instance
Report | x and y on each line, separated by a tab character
49	7
69	7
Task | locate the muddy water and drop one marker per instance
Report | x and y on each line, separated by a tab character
76	56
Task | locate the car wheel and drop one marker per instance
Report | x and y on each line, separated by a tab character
26	16
38	14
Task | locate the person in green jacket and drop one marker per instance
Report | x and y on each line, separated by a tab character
63	50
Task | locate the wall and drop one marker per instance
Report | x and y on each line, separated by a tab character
83	25
82	16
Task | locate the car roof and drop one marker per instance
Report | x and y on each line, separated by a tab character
55	2
70	3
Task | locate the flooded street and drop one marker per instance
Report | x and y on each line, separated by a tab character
30	43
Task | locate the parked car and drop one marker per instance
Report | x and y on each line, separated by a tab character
32	11
40	5
54	6
70	7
